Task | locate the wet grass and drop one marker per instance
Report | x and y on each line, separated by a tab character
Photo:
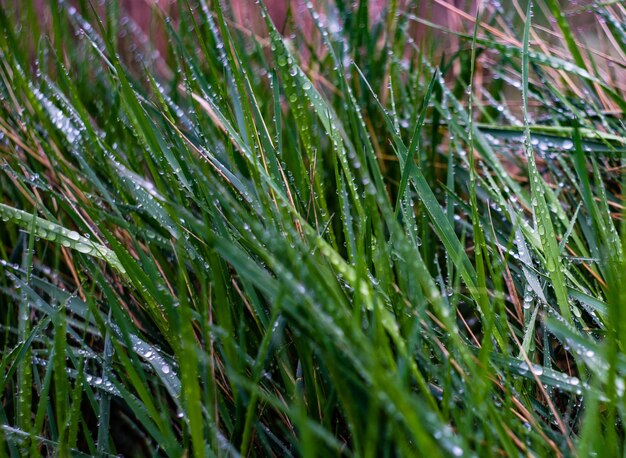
338	243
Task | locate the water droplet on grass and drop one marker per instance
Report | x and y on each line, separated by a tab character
73	235
83	248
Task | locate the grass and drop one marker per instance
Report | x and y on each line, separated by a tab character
336	243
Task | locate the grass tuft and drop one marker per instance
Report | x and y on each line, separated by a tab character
326	237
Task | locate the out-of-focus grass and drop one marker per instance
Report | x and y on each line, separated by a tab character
379	250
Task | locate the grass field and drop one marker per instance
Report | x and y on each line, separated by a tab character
344	242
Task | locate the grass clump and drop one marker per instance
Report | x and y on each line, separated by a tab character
339	241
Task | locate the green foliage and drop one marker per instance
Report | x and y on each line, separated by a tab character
312	244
